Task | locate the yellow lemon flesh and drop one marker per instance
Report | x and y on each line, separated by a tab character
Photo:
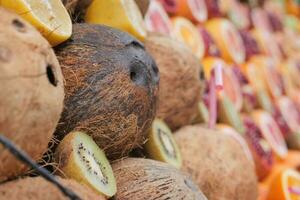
49	16
121	14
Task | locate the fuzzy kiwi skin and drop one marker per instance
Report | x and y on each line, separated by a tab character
180	83
65	158
139	179
220	167
32	93
38	188
111	88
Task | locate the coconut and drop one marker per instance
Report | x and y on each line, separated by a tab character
38	188
32	93
139	178
220	168
180	83
111	88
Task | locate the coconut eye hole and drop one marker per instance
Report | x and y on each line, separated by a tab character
51	75
19	26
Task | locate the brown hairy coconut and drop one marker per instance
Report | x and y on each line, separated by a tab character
180	85
111	88
31	97
139	178
38	188
217	163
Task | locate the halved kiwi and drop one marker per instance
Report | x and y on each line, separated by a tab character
79	158
161	144
228	114
202	115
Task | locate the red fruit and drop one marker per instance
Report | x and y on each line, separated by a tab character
171	6
281	122
211	48
275	22
213	8
262	153
157	20
249	98
250	44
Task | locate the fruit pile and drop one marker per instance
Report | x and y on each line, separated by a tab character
150	99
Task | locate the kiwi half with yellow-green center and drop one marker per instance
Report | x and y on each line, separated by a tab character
228	114
161	144
79	158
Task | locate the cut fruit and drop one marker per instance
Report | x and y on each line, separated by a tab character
143	5
264	101
79	158
270	75
260	148
171	6
268	44
161	145
49	17
121	14
250	101
271	132
157	20
254	76
186	32
260	20
251	45
228	113
289	112
239	14
228	40
211	48
202	115
235	135
285	186
141	179
194	10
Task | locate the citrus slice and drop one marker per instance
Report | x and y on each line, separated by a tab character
121	14
49	16
194	10
157	20
228	40
290	113
228	130
271	132
285	186
231	85
185	31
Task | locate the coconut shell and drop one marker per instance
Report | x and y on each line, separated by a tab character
180	83
139	179
32	93
111	88
38	188
217	163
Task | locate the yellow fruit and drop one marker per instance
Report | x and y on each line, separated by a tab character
227	39
49	16
120	14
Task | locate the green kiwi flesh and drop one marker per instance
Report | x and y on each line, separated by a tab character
79	158
161	145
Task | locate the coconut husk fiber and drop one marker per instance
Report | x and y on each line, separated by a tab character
139	179
111	88
32	93
180	87
38	188
217	163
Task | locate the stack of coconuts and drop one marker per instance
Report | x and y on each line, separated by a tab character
149	99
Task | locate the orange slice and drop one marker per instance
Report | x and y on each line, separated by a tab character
227	39
285	186
49	16
194	10
121	14
185	31
157	20
271	132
